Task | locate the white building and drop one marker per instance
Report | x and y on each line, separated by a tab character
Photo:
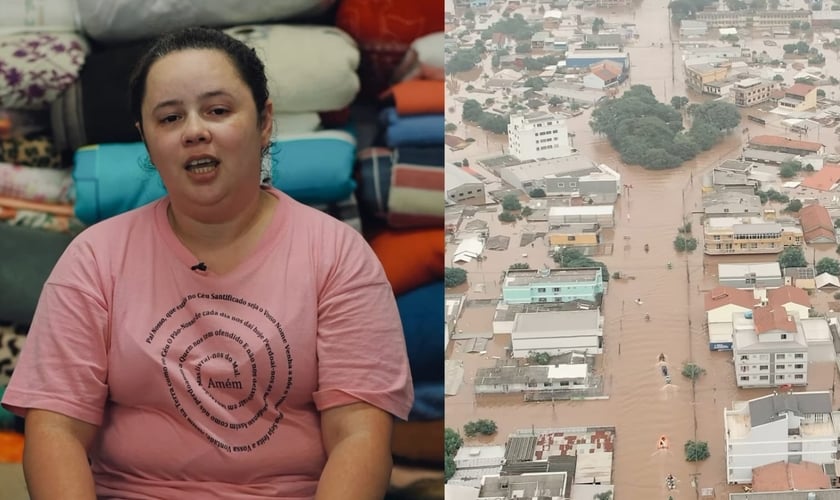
769	348
789	427
462	187
573	175
538	135
557	332
603	215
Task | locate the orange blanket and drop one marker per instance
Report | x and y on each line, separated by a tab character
410	257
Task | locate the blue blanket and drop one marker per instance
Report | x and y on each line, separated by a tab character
414	130
312	168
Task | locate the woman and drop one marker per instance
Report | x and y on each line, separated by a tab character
222	342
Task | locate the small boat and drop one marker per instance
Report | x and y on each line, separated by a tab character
663	443
647	247
670	482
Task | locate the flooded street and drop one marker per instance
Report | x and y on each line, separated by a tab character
638	404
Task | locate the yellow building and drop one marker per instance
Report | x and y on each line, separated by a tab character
799	97
747	236
574	235
698	75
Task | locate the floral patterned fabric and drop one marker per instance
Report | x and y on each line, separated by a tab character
35	68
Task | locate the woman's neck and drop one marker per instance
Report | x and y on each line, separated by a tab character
199	235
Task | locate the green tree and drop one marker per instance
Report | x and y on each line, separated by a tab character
792	257
794	206
526	211
539	358
607	495
535	83
520	265
696	451
704	134
787	171
597	24
692	371
454	276
778	78
472	111
451	127
480	426
720	114
572	257
463	60
452	441
540	193
506	216
555	101
448	467
492	122
678	102
511	202
828	265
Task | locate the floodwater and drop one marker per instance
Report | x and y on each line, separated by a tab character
639	405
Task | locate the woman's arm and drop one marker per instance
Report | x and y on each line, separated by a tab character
55	461
357	438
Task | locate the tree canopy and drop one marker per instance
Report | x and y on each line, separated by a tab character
650	133
792	257
828	265
572	257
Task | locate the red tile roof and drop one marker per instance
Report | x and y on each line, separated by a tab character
816	222
725	295
823	179
781	476
800	89
768	319
779	141
778	297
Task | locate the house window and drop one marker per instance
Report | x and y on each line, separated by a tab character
780	367
540	290
745	379
799	367
780	356
560	184
542	299
744	357
780	377
762	377
784	336
799	376
763	368
572	184
555	289
798	356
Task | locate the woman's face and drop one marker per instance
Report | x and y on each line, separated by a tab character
201	129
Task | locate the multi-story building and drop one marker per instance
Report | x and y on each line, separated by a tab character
782	144
788	427
538	135
529	286
769	347
758	19
750	275
799	97
698	75
747	235
690	27
750	91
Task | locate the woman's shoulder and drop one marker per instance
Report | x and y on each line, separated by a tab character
119	229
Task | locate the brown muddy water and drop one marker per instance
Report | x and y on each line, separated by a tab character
639	405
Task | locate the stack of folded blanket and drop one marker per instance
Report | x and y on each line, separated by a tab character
400	191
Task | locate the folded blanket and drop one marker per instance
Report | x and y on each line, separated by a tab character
414	130
346	210
33	151
417	97
36	184
95	109
37	67
384	30
374	172
424	60
309	68
312	168
411	257
28	258
128	20
416	196
422	315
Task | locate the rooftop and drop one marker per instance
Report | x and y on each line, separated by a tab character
784	142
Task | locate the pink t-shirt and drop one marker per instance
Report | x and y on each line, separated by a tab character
208	386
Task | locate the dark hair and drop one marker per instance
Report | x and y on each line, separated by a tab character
244	59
